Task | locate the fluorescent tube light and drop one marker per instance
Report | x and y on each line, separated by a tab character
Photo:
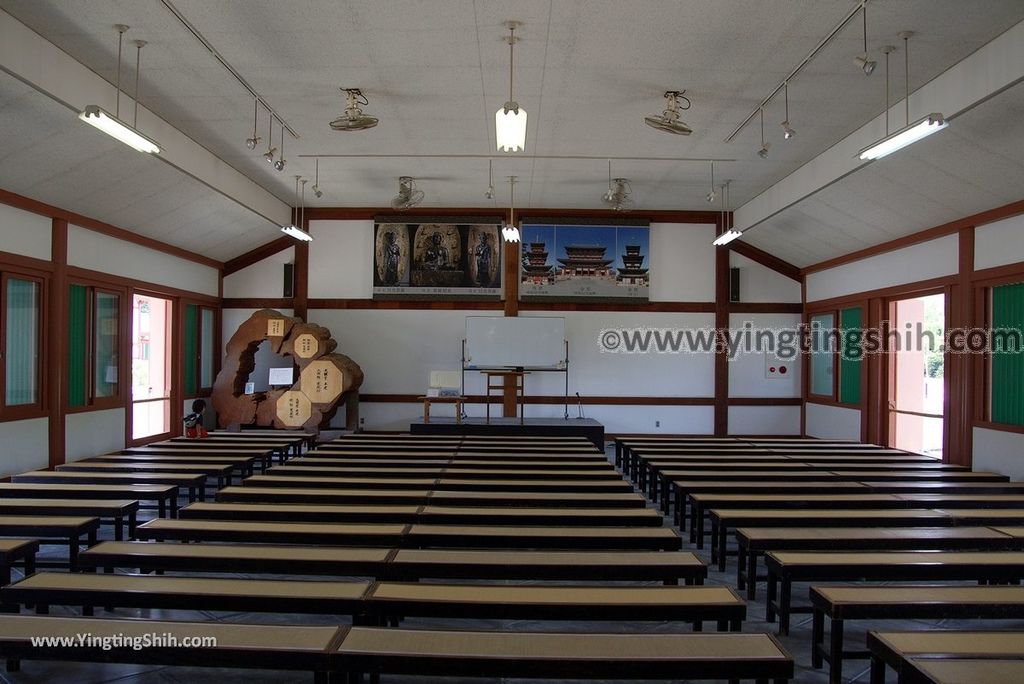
297	233
726	237
907	135
114	127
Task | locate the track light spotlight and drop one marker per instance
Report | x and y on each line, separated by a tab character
279	164
867	65
787	130
763	152
252	142
710	197
269	155
271	151
862	60
490	180
317	191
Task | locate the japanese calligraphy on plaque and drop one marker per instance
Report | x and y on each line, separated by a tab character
275	327
306	346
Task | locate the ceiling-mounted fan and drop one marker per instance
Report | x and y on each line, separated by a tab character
353	119
408	196
668	121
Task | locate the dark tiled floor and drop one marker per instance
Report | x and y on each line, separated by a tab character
797	643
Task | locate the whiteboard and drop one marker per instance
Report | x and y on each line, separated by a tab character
511	342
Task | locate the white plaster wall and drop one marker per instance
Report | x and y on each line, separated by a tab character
761	284
764	420
932	259
92	433
682	263
999	243
25	233
263	279
832	422
99	252
747	370
25	446
341	259
999	451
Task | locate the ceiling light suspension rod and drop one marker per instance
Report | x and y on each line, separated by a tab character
227	65
810	55
139	44
121	28
888	49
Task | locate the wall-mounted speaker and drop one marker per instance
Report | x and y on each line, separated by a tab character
734	284
289	280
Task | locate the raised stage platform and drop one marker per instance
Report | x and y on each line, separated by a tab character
531	427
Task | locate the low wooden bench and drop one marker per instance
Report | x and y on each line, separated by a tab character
893	649
263	647
195	485
668	567
986	516
422	497
453	471
310	495
164	496
786	567
328	534
747	566
241	558
868	534
964	670
722	520
700	504
244	466
684	487
605	566
14	550
387	602
323	513
510	537
563	517
442	483
444	654
841	604
68	530
122	515
88	590
219	472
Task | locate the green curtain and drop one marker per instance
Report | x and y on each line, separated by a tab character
1007	360
191	348
78	308
207	352
22	343
851	322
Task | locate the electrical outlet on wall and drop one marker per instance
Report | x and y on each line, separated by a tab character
657	423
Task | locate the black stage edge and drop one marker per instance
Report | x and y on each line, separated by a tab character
531	427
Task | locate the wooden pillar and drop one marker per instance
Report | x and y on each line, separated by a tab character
511	278
57	341
721	348
961	369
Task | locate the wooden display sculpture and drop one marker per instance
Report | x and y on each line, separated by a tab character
324	377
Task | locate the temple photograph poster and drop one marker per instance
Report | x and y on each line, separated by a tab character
582	261
438	258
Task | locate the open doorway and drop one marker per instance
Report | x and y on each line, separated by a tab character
916	397
151	366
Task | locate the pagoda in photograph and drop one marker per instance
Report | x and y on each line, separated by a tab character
585	260
535	266
631	272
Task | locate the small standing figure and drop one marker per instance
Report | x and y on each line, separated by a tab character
194	428
483	261
437	256
392	255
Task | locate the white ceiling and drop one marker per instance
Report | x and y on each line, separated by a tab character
587	71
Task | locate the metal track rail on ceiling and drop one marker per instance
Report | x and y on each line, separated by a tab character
227	65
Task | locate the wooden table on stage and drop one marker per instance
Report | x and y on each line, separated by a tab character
517	377
443	400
